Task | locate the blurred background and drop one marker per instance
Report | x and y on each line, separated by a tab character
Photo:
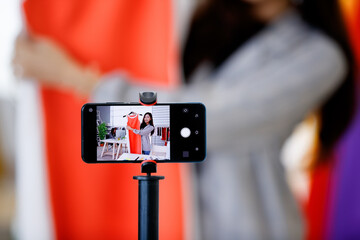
11	23
316	188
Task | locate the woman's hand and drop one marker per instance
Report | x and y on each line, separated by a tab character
129	128
41	59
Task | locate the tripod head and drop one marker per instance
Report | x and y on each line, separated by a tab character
148	167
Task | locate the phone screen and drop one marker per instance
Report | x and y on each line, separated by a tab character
133	133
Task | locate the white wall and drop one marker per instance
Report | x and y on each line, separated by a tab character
161	114
10	25
117	113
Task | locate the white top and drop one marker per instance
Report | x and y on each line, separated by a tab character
253	103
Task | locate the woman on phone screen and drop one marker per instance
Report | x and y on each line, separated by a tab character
146	129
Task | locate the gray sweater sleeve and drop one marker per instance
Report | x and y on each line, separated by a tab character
144	131
286	88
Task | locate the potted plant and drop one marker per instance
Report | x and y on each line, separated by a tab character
102	131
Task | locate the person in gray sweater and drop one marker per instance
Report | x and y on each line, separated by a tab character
146	129
259	67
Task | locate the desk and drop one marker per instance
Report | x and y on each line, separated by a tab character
114	142
138	157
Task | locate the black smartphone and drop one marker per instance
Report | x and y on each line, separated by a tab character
131	132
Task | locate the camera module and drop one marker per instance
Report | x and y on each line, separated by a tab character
90	110
185	110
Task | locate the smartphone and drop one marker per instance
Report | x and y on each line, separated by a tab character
131	132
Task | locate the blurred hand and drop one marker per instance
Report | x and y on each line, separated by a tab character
129	128
43	60
39	58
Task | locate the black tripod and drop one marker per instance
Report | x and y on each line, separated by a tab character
148	209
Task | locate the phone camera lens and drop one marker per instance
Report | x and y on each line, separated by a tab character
185	110
90	110
196	115
196	149
196	132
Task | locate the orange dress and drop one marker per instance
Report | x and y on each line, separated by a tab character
135	139
99	201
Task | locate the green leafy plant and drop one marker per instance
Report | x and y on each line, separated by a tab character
102	131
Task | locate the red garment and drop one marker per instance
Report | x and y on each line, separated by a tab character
135	139
99	201
163	134
317	206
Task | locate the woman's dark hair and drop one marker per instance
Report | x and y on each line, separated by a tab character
143	124
219	27
337	112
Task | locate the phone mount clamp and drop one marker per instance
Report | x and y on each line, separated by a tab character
148	207
148	98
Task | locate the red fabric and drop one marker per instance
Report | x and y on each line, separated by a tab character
135	139
99	201
317	207
163	134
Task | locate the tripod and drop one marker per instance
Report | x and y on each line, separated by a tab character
148	208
